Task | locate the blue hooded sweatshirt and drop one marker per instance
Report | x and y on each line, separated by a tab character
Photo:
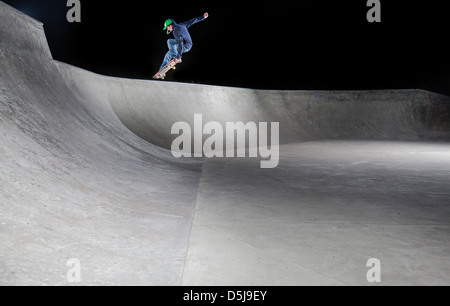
181	34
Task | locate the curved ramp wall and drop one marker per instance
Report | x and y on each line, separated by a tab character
75	182
149	109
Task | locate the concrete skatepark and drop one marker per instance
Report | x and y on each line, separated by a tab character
86	172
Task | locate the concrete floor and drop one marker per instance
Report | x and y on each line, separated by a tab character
322	214
85	173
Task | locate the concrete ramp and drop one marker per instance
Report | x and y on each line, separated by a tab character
75	183
86	178
149	109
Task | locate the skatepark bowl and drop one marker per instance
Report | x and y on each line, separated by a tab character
88	181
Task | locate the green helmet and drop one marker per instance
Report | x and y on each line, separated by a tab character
167	23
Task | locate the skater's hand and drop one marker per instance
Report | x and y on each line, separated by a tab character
206	15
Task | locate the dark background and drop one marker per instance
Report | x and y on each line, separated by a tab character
305	45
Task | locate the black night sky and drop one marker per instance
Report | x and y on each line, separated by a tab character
304	45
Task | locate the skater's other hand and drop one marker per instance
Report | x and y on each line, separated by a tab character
206	15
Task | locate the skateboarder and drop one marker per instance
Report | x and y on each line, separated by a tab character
182	42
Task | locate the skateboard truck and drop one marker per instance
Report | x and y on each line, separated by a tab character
162	73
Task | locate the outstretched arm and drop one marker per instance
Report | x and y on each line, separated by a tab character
193	21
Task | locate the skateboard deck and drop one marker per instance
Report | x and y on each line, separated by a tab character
162	73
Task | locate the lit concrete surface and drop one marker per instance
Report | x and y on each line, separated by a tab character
404	115
75	183
358	178
322	214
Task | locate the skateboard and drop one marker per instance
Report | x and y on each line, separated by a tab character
162	73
